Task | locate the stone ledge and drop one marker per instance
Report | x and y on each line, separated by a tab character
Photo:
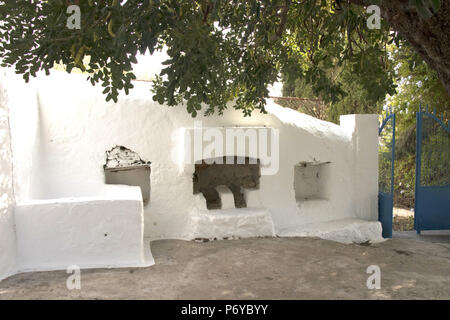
232	223
344	231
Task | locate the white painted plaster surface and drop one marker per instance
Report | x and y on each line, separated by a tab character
311	181
232	223
365	147
60	149
226	197
24	112
252	198
104	231
7	230
344	231
76	130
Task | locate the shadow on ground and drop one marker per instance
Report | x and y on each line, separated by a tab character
265	268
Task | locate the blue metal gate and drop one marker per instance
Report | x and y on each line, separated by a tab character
386	159
432	194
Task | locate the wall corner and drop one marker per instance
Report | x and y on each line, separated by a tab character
363	132
8	247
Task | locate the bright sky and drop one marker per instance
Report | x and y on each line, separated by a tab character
150	65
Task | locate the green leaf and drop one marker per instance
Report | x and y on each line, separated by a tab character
434	4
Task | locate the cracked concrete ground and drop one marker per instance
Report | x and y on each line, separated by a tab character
263	268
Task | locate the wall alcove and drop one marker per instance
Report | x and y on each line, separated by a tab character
124	166
214	178
310	181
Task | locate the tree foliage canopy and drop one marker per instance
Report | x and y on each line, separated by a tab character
418	85
219	50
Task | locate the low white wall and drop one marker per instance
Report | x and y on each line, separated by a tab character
76	129
232	223
363	131
23	106
96	232
59	151
7	230
101	227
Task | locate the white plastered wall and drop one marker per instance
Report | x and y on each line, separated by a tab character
363	132
94	232
61	127
7	228
24	116
76	126
100	227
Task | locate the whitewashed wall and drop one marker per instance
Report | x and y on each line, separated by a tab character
52	153
94	232
7	229
76	126
25	134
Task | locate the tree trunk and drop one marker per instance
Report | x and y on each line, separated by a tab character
430	38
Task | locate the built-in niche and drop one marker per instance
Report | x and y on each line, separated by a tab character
214	178
124	166
311	180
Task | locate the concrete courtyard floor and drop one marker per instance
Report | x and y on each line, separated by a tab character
260	268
